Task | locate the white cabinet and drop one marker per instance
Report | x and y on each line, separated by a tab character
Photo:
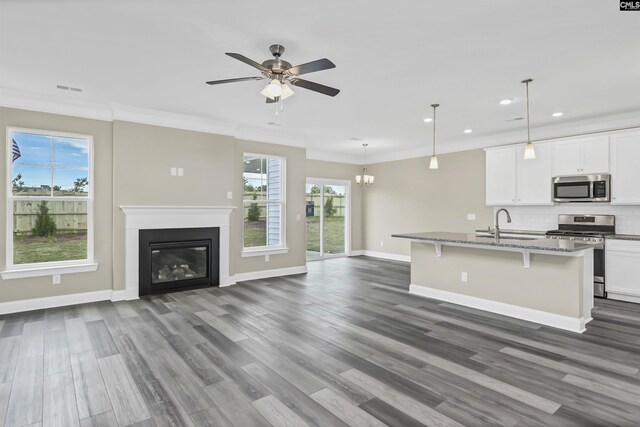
581	156
534	177
501	176
623	270
625	170
511	180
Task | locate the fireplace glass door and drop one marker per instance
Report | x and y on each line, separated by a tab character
179	262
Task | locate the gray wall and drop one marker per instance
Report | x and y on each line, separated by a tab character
409	197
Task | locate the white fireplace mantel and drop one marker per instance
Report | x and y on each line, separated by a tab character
154	217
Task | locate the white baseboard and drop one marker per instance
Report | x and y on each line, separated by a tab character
623	295
386	255
264	274
60	301
550	319
119	295
358	252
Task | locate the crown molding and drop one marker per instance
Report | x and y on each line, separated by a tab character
329	156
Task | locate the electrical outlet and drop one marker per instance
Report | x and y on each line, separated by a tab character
471	217
381	242
229	195
266	258
174	171
297	217
56	279
180	172
464	277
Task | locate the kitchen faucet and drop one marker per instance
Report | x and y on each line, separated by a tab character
498	221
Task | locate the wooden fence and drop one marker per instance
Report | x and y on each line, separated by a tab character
69	216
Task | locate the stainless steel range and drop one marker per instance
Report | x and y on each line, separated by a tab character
588	228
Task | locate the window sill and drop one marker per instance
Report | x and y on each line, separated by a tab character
261	252
48	271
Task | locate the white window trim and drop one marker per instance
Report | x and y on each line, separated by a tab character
282	247
56	267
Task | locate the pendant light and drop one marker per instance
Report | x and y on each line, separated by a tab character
364	179
529	152
433	164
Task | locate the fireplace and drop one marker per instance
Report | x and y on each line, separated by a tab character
178	258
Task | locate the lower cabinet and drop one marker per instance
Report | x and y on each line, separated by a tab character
622	273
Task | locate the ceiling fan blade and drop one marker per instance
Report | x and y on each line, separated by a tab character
241	79
311	67
251	62
316	87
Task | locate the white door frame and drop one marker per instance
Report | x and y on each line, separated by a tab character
347	214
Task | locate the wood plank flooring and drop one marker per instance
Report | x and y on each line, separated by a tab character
343	345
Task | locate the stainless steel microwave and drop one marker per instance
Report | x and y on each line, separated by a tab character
582	188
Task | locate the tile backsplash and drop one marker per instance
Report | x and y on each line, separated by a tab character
546	217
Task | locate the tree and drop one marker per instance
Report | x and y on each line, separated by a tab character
17	183
329	210
315	190
57	188
79	184
329	190
45	226
253	214
248	188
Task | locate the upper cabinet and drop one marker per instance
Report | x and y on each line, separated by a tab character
625	173
581	156
511	180
501	176
534	177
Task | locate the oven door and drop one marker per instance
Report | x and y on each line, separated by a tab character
598	274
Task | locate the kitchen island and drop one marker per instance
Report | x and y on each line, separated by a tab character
531	278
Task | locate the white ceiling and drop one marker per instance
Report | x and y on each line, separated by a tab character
393	60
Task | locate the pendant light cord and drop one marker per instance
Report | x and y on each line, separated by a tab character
434	130
528	124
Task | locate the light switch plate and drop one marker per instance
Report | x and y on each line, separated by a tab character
471	217
174	171
56	279
180	172
297	217
229	195
464	276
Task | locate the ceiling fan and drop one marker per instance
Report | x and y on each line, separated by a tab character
281	74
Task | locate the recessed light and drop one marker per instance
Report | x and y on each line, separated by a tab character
428	120
468	130
558	114
506	101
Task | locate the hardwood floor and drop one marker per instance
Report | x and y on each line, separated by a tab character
343	345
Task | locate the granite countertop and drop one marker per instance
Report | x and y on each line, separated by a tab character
623	237
541	244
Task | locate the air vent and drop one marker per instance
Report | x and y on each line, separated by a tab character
273	124
355	139
70	88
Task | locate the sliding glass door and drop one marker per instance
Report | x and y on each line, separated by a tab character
327	213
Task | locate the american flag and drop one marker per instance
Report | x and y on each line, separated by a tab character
15	150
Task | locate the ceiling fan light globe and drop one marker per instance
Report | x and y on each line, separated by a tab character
286	91
274	88
265	92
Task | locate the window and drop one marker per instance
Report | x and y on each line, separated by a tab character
263	200
49	199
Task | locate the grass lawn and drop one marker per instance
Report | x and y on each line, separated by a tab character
255	234
28	249
333	234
